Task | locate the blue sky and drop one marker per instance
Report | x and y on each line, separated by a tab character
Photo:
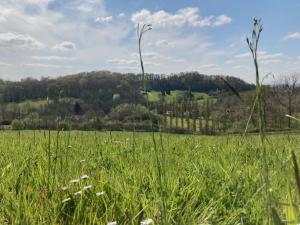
40	38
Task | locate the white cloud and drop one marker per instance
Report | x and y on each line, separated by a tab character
186	16
270	61
295	36
229	61
243	55
106	19
52	58
148	55
43	65
240	67
208	66
122	62
65	46
5	64
164	43
179	60
263	56
3	14
121	15
149	63
19	40
87	8
222	20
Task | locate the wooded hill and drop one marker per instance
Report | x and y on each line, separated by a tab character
104	100
98	88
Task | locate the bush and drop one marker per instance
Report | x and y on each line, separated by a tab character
129	112
17	124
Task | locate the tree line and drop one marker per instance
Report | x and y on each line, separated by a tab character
106	100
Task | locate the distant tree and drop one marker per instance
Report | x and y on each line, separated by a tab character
286	92
207	106
77	108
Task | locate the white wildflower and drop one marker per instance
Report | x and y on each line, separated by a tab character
100	193
84	177
87	187
64	188
82	161
78	193
147	222
74	181
66	200
112	223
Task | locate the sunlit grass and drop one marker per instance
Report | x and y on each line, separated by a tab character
210	180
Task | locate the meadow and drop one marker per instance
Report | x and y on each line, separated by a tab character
100	177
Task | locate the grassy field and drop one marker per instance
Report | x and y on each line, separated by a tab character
155	95
172	179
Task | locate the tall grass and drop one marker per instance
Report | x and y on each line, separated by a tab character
253	46
211	180
159	153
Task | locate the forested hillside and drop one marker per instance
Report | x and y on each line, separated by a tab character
100	100
185	102
99	87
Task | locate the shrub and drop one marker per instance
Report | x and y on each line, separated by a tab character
17	124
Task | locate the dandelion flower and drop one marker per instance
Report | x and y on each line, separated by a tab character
74	181
78	193
147	222
100	193
84	177
112	223
87	187
66	200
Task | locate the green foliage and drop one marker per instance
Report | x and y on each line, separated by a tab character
129	112
17	124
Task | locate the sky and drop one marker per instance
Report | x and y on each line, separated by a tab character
51	38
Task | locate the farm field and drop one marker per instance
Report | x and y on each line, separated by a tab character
154	96
100	177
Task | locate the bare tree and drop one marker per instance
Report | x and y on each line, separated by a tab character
285	91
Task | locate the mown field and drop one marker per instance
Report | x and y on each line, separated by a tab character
154	96
101	177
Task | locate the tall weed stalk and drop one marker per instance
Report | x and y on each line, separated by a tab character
159	156
253	46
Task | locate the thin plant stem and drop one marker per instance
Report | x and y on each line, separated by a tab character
253	46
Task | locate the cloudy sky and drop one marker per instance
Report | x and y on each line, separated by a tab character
41	38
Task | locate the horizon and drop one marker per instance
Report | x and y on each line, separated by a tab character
98	35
